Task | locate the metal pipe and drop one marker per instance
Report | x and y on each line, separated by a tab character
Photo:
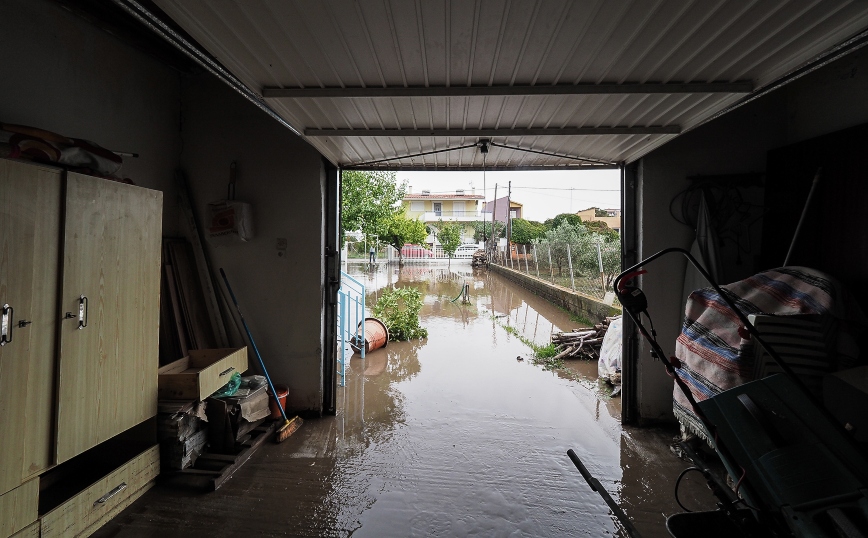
802	218
486	91
596	486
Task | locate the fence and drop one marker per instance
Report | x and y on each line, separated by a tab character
351	317
420	254
559	263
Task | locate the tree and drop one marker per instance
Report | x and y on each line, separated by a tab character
525	231
450	237
588	262
558	239
556	221
400	230
369	200
480	226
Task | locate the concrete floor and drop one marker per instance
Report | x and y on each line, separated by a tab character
450	436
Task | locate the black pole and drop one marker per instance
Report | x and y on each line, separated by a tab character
596	486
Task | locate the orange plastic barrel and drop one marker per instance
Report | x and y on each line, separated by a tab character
376	335
282	393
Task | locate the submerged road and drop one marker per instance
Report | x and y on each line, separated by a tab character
448	436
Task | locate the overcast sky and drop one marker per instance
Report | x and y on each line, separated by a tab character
544	194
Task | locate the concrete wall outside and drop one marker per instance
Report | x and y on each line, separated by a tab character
62	74
575	303
830	99
283	178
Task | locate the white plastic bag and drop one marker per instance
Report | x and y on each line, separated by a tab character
609	366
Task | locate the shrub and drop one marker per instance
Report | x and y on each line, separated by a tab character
399	308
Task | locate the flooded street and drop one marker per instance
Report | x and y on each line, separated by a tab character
452	435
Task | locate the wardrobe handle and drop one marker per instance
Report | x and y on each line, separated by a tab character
120	487
82	312
6	325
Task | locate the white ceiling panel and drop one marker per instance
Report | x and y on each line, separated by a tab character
447	46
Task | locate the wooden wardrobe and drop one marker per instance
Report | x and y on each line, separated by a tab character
79	290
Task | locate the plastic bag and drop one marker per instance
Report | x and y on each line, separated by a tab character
230	221
609	366
229	389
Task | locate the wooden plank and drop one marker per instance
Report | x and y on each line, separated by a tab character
202	265
193	303
29	250
19	507
107	370
30	531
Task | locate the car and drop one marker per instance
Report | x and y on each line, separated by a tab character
466	250
416	251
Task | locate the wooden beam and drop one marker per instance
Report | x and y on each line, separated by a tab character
567	131
486	91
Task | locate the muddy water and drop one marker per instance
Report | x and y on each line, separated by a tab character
454	436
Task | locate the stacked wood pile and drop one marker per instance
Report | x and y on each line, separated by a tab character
182	428
583	343
479	259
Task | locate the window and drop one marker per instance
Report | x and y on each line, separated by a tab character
438	209
417	206
513	213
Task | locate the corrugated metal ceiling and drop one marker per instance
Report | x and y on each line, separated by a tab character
505	51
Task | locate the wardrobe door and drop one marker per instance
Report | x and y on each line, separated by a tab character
30	206
110	296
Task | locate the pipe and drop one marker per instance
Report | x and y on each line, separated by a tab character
802	218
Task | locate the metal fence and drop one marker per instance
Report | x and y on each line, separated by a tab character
557	263
351	317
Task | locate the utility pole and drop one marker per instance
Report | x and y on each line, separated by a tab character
493	216
509	220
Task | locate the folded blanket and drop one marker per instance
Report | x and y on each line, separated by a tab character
713	354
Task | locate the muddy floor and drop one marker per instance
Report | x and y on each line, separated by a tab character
455	435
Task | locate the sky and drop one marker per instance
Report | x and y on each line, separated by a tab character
543	194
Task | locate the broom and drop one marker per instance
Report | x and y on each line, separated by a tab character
289	426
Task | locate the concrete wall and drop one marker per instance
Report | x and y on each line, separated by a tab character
827	100
62	74
282	177
575	303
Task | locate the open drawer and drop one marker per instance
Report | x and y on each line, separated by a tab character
80	495
201	373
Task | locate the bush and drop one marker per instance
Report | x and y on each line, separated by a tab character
398	308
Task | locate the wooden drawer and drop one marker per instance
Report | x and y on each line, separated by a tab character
19	508
200	374
31	531
85	512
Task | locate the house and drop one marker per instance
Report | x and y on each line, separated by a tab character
432	208
499	208
612	217
753	96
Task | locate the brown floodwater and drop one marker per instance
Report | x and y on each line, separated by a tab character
458	434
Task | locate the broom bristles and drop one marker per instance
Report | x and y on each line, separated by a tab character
288	428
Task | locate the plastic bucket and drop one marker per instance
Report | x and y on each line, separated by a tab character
282	393
376	335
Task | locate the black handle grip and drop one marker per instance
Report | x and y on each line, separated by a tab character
6	321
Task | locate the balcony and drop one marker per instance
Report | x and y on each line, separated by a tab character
451	216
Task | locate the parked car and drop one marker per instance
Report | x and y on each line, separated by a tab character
466	250
416	251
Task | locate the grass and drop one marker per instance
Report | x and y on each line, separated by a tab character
542	355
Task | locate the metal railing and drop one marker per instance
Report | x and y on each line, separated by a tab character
351	321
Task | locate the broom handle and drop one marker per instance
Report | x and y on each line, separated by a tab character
253	343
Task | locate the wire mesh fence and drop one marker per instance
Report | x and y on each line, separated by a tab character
559	263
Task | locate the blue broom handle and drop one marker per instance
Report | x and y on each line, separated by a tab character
253	343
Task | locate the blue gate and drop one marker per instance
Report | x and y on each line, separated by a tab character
351	321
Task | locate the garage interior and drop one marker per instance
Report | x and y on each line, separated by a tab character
752	96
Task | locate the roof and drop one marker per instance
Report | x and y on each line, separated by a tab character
452	196
554	83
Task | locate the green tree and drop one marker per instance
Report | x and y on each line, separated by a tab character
479	226
450	237
525	231
369	200
558	239
610	252
400	230
557	220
